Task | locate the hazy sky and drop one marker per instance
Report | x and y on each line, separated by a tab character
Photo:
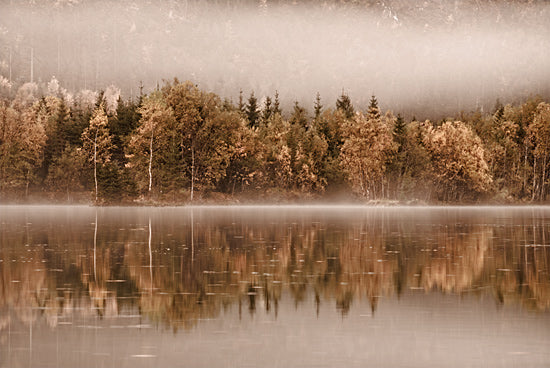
449	55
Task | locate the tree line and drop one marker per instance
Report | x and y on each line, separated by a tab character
181	144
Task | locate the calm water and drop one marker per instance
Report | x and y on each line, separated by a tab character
274	287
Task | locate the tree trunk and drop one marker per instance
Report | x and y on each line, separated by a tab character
95	164
27	185
192	170
533	195
151	161
543	179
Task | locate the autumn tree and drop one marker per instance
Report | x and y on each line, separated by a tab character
307	151
151	135
504	154
329	127
204	130
22	141
97	144
458	159
538	135
368	142
65	171
246	157
277	169
414	182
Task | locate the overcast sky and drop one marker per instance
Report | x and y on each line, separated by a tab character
449	55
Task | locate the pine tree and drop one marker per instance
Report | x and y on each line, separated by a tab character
241	102
498	115
121	126
317	107
299	116
343	103
252	112
373	111
276	104
399	131
267	111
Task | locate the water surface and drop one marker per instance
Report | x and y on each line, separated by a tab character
274	287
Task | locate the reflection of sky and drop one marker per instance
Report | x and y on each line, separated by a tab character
417	330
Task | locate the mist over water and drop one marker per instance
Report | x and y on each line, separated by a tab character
435	56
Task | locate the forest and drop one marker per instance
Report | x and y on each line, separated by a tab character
181	144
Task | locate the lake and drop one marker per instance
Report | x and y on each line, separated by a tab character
320	286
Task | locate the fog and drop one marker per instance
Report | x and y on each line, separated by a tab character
433	56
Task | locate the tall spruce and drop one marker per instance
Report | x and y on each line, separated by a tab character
317	107
267	110
276	104
252	113
343	103
241	102
399	131
373	111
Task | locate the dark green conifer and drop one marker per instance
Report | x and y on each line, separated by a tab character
241	102
399	131
276	104
317	108
251	111
268	110
343	103
374	110
299	116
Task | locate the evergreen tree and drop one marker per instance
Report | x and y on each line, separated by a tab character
399	131
373	111
251	111
317	107
343	103
241	106
54	116
267	111
299	116
276	104
121	126
65	172
498	115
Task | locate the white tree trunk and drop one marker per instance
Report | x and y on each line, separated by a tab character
95	164
151	161
192	171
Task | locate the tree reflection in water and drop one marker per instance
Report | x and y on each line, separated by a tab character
177	266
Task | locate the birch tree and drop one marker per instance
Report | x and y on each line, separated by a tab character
96	142
538	135
155	123
192	108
